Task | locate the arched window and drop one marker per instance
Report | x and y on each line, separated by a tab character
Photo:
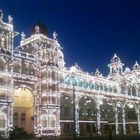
2	121
105	88
123	88
101	86
32	70
52	122
134	90
96	86
110	89
48	55
54	87
129	90
91	85
53	100
53	75
2	96
16	68
139	92
44	122
24	69
43	100
114	89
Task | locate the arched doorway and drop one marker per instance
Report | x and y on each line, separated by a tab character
23	109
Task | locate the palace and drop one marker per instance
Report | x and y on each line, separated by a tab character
41	95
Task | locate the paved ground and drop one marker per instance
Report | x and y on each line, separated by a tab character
130	137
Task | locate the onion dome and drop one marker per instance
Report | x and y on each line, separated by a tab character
115	59
136	66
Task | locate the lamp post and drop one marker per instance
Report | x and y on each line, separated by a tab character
74	115
73	81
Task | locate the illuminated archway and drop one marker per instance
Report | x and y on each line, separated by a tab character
23	109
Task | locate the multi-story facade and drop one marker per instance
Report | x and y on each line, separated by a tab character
41	95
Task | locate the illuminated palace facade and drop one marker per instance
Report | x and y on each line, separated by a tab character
41	95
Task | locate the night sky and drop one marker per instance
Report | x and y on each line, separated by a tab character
89	31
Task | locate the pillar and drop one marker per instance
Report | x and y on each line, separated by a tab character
77	115
124	123
98	119
116	122
138	119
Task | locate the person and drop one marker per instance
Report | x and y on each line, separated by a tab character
37	29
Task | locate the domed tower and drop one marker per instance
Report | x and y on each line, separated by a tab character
49	61
116	67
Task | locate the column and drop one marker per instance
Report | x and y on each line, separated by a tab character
138	117
77	115
98	119
124	123
116	121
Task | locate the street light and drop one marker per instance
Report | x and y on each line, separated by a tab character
73	79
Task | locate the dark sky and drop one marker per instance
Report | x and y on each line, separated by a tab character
89	31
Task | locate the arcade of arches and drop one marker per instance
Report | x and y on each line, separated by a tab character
111	116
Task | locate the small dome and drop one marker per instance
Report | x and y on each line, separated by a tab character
127	70
115	59
136	66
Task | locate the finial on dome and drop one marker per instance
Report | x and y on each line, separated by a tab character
115	58
97	72
136	66
136	63
115	55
